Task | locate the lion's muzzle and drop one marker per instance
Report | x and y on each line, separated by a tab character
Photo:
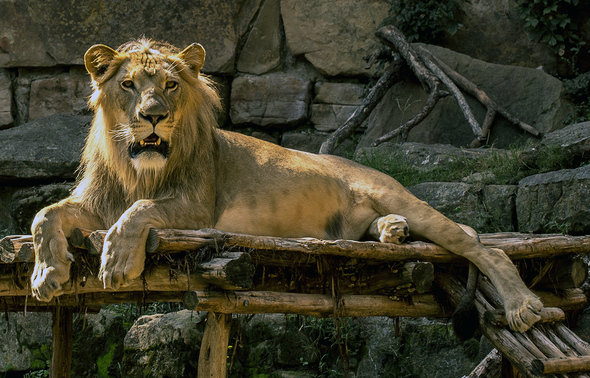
152	143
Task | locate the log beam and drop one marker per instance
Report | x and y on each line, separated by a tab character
63	340
213	353
561	365
318	305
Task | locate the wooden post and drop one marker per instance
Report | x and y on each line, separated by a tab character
63	338
213	354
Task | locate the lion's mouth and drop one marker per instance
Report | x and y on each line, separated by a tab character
151	143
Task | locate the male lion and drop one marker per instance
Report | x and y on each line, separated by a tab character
155	159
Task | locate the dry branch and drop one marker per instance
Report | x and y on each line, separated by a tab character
489	367
389	76
319	305
492	107
16	248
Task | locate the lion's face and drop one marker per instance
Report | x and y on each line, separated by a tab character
143	89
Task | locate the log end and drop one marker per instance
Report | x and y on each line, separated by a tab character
190	300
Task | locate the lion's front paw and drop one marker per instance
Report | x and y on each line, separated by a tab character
122	260
524	313
50	274
393	228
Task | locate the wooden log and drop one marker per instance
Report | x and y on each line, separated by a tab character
545	344
579	345
565	273
228	269
213	353
561	365
489	367
501	338
63	340
567	300
11	248
522	247
78	237
318	305
548	315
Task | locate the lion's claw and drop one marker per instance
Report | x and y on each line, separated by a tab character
393	229
524	317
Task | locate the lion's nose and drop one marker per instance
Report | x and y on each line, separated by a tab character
154	119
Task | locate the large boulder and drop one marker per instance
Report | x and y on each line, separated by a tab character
41	33
529	94
26	341
334	37
164	345
47	148
555	202
334	103
6	106
270	100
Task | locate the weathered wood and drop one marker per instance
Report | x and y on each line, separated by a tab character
230	268
489	367
213	353
63	340
565	273
16	248
78	237
318	305
548	315
567	300
517	248
579	345
561	365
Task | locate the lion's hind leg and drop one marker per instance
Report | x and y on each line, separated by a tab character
390	228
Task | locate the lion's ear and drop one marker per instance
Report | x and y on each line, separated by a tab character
194	57
97	60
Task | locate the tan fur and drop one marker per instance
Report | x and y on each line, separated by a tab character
194	175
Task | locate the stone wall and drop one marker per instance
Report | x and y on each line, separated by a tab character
271	57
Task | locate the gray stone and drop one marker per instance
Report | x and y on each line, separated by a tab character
458	201
333	36
47	148
339	93
262	51
529	94
334	103
163	345
499	203
26	341
6	119
41	33
274	99
61	94
574	137
555	202
27	202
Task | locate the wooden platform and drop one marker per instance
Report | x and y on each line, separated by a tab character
232	273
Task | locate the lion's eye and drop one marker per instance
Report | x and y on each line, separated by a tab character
171	85
127	84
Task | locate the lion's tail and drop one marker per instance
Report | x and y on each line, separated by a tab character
465	318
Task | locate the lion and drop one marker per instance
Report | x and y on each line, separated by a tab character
155	158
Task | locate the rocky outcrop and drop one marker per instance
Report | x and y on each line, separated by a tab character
26	341
6	118
555	202
529	94
48	148
274	99
164	345
39	33
333	42
334	103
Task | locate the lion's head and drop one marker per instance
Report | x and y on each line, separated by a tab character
154	110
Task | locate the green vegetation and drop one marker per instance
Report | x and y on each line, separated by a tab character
426	20
498	167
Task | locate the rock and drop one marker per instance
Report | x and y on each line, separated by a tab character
26	341
262	51
529	94
499	202
61	94
27	202
295	348
273	99
334	103
458	201
334	41
24	39
6	119
164	345
47	148
423	156
555	202
574	138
